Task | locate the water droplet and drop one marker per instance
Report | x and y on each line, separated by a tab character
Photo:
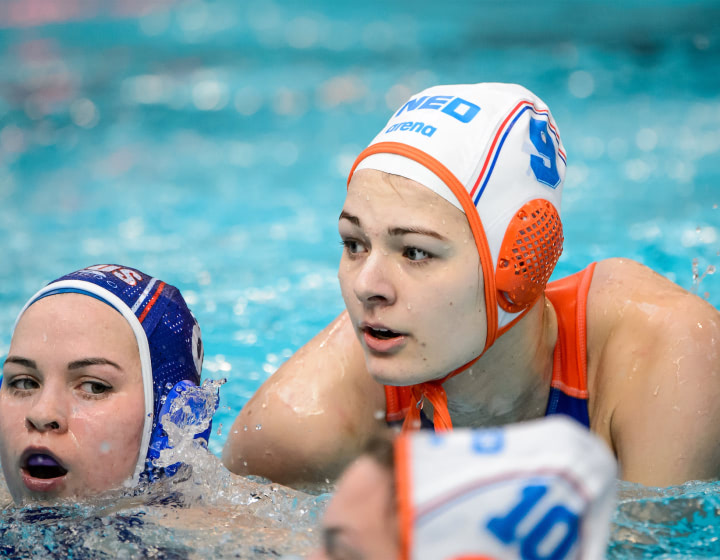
245	429
258	427
409	306
379	414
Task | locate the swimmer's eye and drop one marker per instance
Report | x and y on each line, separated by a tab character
352	246
23	384
416	255
94	387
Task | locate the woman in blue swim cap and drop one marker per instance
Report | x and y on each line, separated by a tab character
96	359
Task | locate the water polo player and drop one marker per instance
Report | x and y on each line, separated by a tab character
97	358
539	489
451	227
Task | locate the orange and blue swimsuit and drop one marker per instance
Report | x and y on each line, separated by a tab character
568	388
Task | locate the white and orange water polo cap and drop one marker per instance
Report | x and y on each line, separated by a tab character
539	489
494	151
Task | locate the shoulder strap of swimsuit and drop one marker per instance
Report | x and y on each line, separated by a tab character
569	298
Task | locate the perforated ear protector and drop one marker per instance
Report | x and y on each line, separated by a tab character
528	254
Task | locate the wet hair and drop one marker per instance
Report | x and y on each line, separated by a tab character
380	448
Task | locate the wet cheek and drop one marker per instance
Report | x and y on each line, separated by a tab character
108	433
12	429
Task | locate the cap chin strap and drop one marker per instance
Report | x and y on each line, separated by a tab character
435	393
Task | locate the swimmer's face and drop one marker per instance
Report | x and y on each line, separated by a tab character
411	279
361	520
71	402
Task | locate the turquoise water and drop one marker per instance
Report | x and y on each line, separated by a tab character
208	143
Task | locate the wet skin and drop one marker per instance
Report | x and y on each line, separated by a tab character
412	287
360	522
410	278
72	401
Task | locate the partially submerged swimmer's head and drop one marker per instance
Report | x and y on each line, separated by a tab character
97	359
493	151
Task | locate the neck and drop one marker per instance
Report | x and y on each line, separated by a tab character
511	381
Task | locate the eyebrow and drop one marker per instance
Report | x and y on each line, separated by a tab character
397	230
331	543
20	361
350	218
78	364
415	230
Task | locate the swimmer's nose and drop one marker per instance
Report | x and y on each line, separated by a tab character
46	414
373	285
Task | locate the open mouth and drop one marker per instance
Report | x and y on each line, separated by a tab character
44	466
382	334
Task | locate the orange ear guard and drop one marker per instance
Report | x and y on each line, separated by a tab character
530	249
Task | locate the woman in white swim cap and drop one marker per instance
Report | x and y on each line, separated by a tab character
451	227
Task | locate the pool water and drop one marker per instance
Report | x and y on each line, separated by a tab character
208	143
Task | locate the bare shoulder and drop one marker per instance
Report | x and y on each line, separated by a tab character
625	294
654	370
312	416
619	276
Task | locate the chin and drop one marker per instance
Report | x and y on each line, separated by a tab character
399	377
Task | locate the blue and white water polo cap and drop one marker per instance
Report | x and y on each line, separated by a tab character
167	334
538	489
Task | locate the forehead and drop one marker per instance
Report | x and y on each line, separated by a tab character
376	189
76	316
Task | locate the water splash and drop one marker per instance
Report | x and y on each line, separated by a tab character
697	277
190	415
203	511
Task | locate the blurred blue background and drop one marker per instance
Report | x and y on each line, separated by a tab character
207	143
